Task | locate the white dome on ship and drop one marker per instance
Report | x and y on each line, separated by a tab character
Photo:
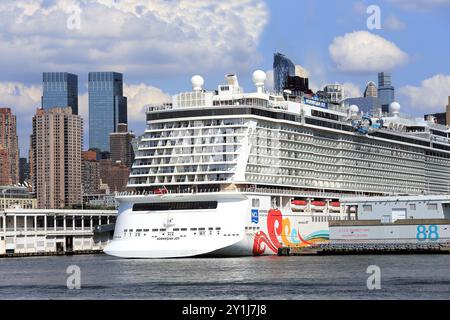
197	82
354	108
395	107
259	77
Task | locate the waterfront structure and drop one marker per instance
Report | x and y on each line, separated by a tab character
9	146
107	107
386	92
90	172
230	173
114	174
121	145
283	67
56	145
60	89
398	221
17	197
38	231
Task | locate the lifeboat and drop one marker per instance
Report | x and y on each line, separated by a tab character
335	206
297	205
318	205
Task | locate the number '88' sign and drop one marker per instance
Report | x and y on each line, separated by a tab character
430	234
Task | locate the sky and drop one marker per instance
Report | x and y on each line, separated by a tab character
160	44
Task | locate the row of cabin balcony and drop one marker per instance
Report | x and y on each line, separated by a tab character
173	173
339	177
181	170
153	163
166	145
164	128
197	136
148	155
139	182
343	186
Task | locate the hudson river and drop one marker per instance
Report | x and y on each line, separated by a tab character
309	277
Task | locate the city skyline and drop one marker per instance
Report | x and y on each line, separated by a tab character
154	72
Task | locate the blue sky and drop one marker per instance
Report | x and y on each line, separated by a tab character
160	44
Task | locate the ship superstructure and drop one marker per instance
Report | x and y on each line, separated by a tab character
255	171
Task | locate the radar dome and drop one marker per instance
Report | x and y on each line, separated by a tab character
197	83
395	107
259	77
354	108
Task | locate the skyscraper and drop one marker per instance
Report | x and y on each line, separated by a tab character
9	144
5	178
24	170
60	89
90	172
371	90
121	145
107	107
282	69
386	92
55	156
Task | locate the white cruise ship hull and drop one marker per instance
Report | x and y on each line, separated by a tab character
232	228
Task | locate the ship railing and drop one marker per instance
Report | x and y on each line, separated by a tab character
317	194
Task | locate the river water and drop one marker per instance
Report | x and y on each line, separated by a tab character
299	278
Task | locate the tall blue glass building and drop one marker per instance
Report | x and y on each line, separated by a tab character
282	69
60	89
107	107
386	92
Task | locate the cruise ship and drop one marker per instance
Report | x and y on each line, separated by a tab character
228	173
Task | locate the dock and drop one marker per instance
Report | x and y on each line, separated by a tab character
365	249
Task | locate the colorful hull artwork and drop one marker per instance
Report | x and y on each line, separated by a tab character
279	227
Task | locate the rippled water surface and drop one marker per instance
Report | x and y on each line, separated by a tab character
309	277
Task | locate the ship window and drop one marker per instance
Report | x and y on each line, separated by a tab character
162	229
176	229
154	229
183	229
218	228
210	228
412	206
432	206
201	229
146	230
198	205
367	208
193	229
255	203
138	230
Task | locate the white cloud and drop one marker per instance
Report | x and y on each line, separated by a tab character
431	96
352	90
138	97
156	37
393	23
269	84
362	51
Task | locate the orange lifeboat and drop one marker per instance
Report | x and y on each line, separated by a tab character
335	206
297	205
318	203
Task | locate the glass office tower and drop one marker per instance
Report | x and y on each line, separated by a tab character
386	92
60	89
282	69
107	107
